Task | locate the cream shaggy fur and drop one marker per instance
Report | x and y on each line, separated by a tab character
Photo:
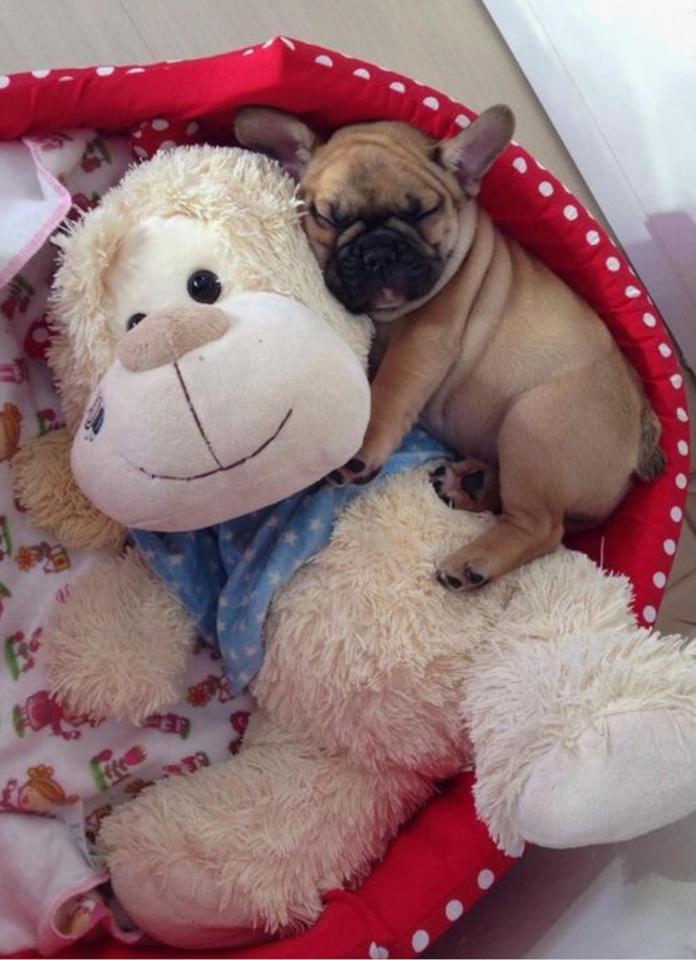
305	821
118	647
44	483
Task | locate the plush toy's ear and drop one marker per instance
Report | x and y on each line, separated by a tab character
44	485
277	134
472	152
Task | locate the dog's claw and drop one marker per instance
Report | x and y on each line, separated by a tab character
369	478
475	578
448	581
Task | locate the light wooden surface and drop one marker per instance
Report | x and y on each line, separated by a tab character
449	44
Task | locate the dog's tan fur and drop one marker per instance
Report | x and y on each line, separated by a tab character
500	359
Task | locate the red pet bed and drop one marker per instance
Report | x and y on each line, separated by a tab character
444	860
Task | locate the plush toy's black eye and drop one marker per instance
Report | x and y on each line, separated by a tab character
204	287
134	320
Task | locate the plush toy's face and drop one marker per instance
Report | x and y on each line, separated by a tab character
219	396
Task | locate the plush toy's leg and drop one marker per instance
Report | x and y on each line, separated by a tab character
118	645
584	725
245	849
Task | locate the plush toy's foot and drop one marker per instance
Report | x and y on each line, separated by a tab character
174	912
248	848
632	774
583	724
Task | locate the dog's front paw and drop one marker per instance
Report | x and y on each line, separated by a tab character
355	471
364	466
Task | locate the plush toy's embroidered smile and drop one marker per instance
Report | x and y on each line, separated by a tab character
221	468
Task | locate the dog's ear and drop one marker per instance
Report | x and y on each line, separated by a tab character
277	134
472	152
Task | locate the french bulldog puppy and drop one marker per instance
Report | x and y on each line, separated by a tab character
494	354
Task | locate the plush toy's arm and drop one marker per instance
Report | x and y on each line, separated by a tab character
119	643
45	487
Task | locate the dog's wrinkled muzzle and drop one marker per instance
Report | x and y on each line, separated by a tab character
382	264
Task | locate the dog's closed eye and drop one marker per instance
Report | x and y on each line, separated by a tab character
415	212
334	218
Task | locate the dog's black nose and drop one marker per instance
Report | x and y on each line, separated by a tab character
377	256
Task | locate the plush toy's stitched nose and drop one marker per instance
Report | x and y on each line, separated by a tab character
164	336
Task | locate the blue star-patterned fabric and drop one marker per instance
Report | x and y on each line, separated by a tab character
225	576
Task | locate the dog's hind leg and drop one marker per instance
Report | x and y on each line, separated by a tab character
576	461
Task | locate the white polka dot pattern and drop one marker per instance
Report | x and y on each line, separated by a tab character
378	953
613	264
520	164
681	481
432	103
159	123
397	86
669	546
649	614
683	448
453	910
323	60
362	72
40	74
676	514
545	188
665	350
676	380
682	415
420	940
462	120
485	879
570	212
105	71
649	320
659	579
632	292
592	237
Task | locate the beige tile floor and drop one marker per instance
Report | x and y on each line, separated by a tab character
449	44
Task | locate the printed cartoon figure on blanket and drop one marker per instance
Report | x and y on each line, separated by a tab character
372	683
43	711
20	650
39	793
10	429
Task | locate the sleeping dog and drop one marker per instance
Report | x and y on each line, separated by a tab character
495	354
